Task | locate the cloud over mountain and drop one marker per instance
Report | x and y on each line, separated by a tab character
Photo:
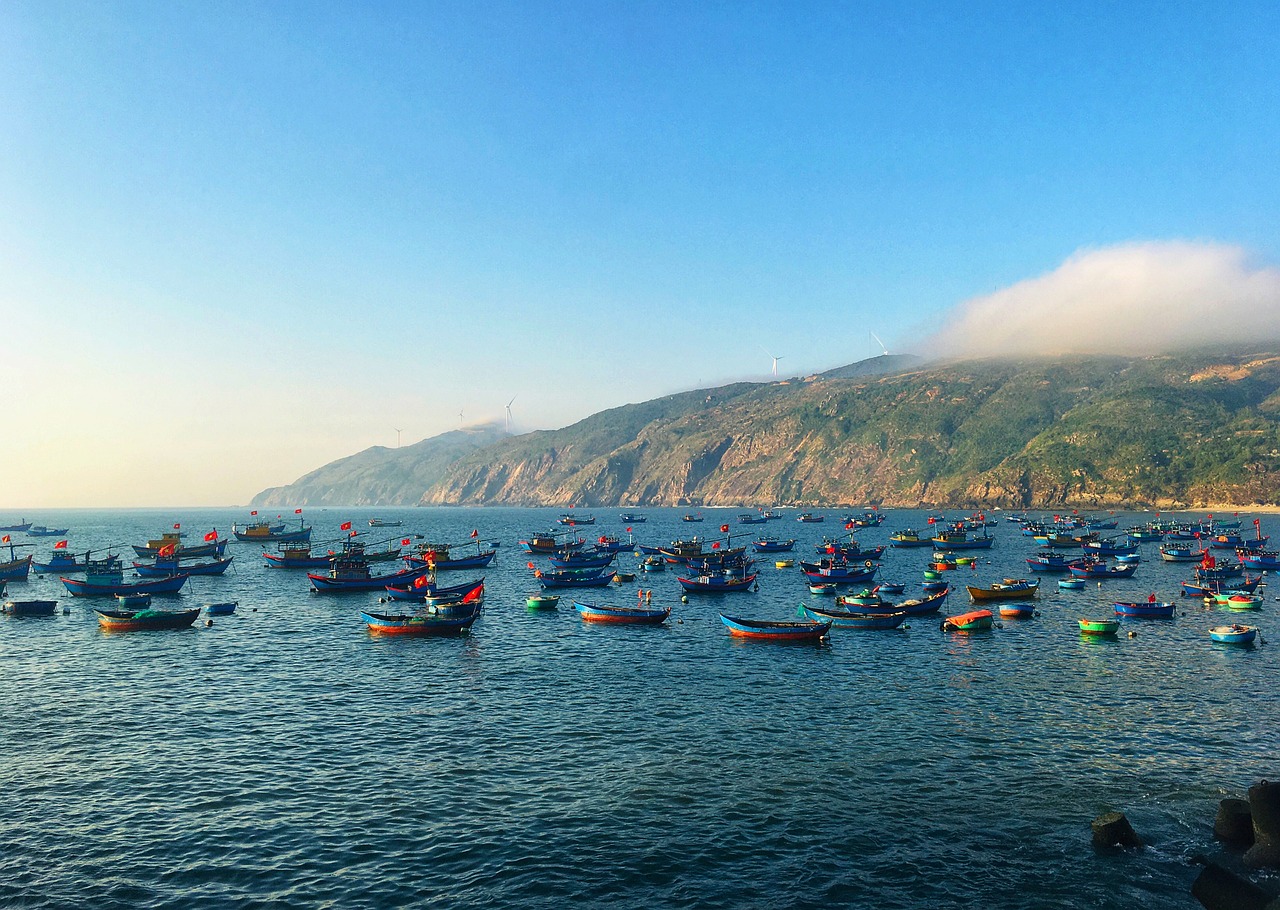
1134	298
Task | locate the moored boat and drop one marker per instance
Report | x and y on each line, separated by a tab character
1009	589
1071	584
1234	634
29	607
850	619
226	608
145	620
910	537
542	601
1099	626
1150	609
717	584
973	621
265	532
622	615
1017	611
428	621
353	575
768	630
112	584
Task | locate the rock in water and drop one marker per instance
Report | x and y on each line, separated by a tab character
1217	888
1264	806
1114	830
1234	823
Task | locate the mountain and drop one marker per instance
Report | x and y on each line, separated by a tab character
1176	430
381	476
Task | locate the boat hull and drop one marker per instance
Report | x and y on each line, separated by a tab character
765	630
145	620
170	584
621	615
419	625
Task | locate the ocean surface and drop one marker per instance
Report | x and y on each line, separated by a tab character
285	757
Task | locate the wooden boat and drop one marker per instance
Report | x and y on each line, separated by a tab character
810	518
1147	609
1009	589
748	519
717	584
1234	634
424	587
1109	547
864	598
425	622
643	616
111	584
910	537
225	608
447	561
1050	561
623	577
139	601
784	564
591	578
173	539
64	563
890	587
1100	571
690	517
918	606
767	630
165	567
973	621
773	545
263	532
16	569
1239	600
1071	584
550	542
1216	586
145	620
568	518
347	575
542	601
1017	611
1259	560
29	607
841	573
959	539
383	523
632	518
930	585
1099	626
850	619
653	564
582	560
822	589
1175	553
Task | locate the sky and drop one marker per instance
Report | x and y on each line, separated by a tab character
238	241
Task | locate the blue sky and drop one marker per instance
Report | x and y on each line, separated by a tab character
238	241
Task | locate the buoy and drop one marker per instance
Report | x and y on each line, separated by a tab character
684	598
208	622
1133	634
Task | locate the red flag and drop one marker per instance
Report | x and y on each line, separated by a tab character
177	525
297	511
1210	515
60	545
405	542
420	582
211	536
848	526
254	512
603	539
932	521
473	596
724	528
4	539
531	565
345	526
716	545
352	533
168	550
475	533
628	530
831	549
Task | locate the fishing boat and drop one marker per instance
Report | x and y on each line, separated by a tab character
767	630
653	564
20	527
822	589
170	543
1017	611
542	601
16	569
1215	586
839	572
1259	560
444	557
164	567
265	532
63	562
932	602
1170	552
1150	609
773	545
973	621
1240	600
1009	589
550	542
1099	626
138	601
1234	634
145	620
717	584
633	518
42	531
1071	584
112	584
850	619
890	587
784	564
746	518
864	598
1050	561
347	575
575	559
424	588
1108	547
643	616
425	622
910	537
810	518
591	578
1100	570
29	607
226	608
383	523
960	539
691	517
568	518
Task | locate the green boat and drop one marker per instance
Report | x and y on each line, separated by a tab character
542	601
1099	626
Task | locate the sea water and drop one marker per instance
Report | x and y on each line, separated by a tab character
284	756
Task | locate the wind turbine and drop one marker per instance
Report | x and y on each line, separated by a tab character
883	350
509	403
398	432
459	420
775	357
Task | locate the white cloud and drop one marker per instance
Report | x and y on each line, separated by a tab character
1135	298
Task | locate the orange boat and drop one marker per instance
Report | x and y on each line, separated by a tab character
968	622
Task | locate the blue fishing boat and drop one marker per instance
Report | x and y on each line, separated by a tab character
910	537
580	560
550	542
1101	571
265	532
346	575
1108	547
42	531
28	607
890	587
1071	584
632	518
170	543
18	528
958	538
568	518
424	587
1264	560
112	584
145	620
773	545
847	619
767	630
636	616
164	567
1177	553
591	578
16	569
1150	609
1051	561
834	572
717	584
64	563
1234	634
810	518
226	608
428	621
